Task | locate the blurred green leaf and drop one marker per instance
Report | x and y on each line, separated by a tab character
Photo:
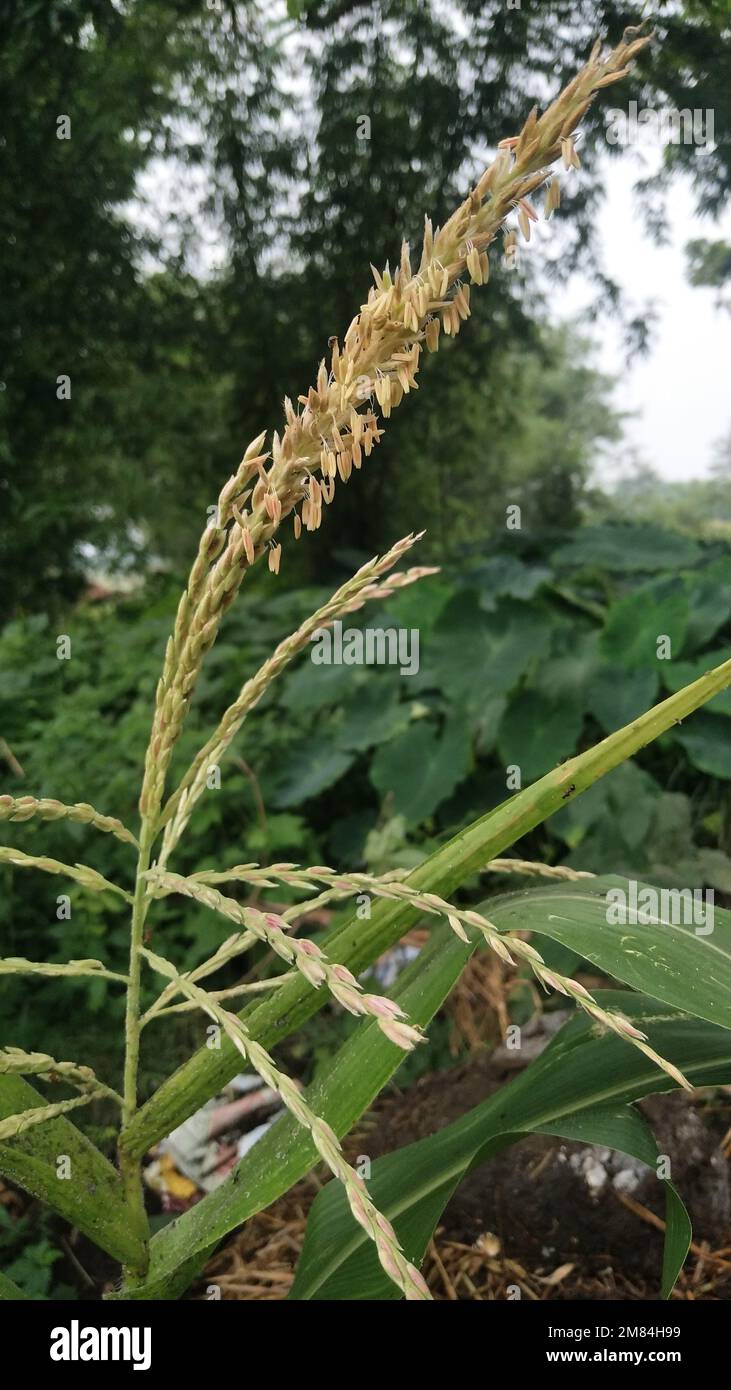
676	674
633	626
310	770
629	548
420	768
374	715
535	735
707	740
614	701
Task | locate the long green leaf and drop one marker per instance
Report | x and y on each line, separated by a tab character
9	1290
361	1068
626	1129
90	1197
667	960
578	1088
358	943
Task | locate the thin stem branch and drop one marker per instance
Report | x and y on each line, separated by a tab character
130	1166
217	995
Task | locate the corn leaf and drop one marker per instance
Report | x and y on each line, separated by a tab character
90	1197
673	962
579	1088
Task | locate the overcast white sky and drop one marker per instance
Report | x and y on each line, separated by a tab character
681	390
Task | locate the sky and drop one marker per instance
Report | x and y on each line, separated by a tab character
679	393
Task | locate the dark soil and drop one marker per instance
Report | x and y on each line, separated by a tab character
550	1201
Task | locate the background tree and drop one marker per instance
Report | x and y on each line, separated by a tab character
230	172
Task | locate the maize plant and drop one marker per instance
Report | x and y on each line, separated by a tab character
670	1028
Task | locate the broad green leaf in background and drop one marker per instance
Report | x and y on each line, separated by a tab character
709	592
569	671
472	654
626	824
311	768
632	801
615	702
419	605
676	674
663	818
629	548
707	741
520	641
506	574
91	1198
629	639
312	687
714	867
373	715
534	736
579	1088
462	627
420	768
485	723
358	1072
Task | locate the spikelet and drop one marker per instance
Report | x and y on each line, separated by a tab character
305	955
458	918
23	808
373	1222
364	585
399	308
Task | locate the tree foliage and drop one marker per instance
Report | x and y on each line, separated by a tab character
185	254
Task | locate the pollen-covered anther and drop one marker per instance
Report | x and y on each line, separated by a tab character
431	334
472	261
273	507
402	1034
462	301
553	197
568	152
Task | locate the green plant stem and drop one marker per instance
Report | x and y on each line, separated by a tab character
130	1165
358	943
